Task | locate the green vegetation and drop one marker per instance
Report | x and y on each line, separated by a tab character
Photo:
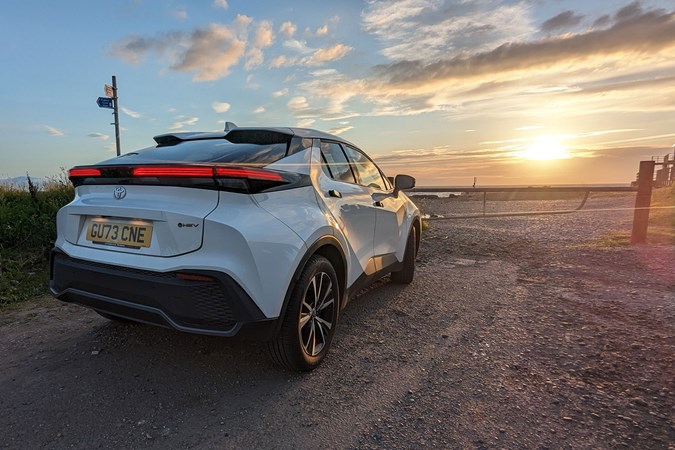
27	234
662	216
661	222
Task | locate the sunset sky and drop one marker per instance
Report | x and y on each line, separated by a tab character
511	92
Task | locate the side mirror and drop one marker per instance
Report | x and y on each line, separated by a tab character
403	182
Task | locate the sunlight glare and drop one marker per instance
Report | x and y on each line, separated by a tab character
545	149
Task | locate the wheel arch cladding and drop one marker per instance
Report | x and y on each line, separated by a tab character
418	233
328	247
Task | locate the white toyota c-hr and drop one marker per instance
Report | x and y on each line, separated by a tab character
262	232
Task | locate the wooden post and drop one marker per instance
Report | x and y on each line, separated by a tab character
643	201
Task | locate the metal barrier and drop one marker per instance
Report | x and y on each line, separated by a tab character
547	189
641	209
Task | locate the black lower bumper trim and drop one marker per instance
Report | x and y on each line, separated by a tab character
212	304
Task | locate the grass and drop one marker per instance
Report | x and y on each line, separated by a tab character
27	234
661	228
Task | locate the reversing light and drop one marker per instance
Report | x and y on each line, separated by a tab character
84	172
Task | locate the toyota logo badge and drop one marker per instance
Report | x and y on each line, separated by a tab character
119	193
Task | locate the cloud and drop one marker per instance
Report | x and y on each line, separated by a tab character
183	122
259	110
566	19
298	46
529	128
648	33
53	131
324	55
280	93
340	130
288	29
277	62
297	104
602	21
180	14
432	29
254	58
312	57
101	136
220	4
130	113
304	123
264	36
220	107
209	51
322	31
628	12
625	67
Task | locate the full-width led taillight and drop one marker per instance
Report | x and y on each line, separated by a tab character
84	172
230	178
240	172
172	171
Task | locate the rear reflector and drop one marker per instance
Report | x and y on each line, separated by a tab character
192	277
84	172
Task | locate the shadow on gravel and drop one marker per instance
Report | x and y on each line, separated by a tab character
93	383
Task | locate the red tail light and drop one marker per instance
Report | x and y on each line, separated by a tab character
84	172
257	174
172	171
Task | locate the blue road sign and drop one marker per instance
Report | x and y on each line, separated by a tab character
105	102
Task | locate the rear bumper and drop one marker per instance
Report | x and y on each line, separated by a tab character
217	306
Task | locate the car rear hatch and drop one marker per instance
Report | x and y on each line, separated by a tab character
156	210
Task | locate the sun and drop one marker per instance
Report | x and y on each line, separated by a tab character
545	149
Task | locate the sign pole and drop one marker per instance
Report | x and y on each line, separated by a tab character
116	113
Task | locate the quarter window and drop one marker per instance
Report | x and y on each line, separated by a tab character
335	164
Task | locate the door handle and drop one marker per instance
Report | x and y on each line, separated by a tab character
379	204
334	193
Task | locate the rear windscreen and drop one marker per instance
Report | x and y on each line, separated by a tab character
207	150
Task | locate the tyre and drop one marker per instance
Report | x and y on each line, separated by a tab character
311	317
407	272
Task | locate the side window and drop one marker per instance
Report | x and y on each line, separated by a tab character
335	163
367	172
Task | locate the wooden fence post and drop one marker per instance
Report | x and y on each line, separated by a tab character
643	201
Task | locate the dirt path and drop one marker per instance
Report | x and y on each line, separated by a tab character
505	339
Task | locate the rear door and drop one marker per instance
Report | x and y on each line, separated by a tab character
351	205
389	210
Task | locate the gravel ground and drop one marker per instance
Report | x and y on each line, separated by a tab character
517	332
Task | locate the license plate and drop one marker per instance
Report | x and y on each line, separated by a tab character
119	233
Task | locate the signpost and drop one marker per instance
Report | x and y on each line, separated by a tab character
111	101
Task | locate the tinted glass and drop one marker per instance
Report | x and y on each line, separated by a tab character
207	150
368	173
335	163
